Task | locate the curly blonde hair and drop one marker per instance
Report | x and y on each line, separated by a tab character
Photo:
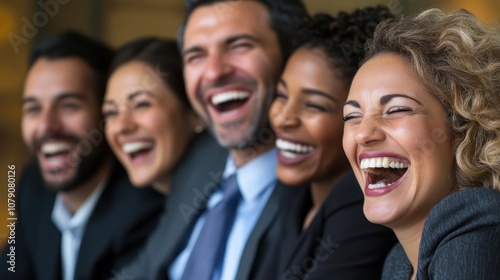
457	58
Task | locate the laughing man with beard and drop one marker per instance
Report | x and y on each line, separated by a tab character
78	215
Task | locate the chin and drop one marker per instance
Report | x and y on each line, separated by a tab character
378	214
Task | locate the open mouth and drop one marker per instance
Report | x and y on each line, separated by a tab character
55	149
55	155
383	171
230	100
292	150
138	148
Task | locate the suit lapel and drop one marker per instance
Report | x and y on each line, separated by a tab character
97	235
267	217
48	255
194	181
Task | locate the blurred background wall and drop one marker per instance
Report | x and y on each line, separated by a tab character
24	22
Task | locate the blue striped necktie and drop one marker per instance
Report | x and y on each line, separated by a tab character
208	251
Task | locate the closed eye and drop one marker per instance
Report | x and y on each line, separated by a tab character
281	95
31	109
315	107
399	109
351	116
142	104
70	106
109	113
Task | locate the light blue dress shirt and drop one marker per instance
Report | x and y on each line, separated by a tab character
256	181
72	227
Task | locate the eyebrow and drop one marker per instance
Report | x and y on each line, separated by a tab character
309	91
66	95
383	100
228	41
131	96
386	98
352	103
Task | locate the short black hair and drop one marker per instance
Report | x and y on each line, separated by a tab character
74	44
162	55
285	15
342	38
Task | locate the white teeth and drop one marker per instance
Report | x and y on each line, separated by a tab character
288	154
55	148
381	162
229	96
290	147
136	146
378	185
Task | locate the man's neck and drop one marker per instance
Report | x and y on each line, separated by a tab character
241	157
75	198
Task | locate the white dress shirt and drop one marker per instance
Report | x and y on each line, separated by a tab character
256	181
72	227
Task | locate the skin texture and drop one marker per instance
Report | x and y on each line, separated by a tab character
389	111
60	107
308	111
233	51
143	112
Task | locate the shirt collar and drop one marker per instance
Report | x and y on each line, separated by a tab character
249	183
62	217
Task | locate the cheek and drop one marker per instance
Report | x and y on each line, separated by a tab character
27	130
191	80
349	144
276	107
262	66
82	123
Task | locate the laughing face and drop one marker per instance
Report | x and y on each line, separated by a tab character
60	121
307	118
398	142
232	62
147	125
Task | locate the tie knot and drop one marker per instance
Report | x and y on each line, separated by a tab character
230	187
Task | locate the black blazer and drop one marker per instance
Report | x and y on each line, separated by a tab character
118	226
339	243
192	185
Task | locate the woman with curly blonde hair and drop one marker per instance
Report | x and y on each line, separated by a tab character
422	133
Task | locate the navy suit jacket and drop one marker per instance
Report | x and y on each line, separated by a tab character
118	226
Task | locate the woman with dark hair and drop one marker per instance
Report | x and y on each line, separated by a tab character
326	235
422	133
149	122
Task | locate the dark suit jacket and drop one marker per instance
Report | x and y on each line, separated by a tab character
194	182
339	243
460	240
118	226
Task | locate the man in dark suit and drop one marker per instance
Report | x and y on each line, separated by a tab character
233	53
78	215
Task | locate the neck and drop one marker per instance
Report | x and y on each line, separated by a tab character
320	190
241	157
163	185
410	240
74	199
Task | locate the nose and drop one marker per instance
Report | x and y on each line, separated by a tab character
217	67
285	115
123	123
368	131
50	122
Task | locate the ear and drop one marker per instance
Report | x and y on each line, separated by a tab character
196	122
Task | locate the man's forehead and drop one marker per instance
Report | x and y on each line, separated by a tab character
64	72
224	20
